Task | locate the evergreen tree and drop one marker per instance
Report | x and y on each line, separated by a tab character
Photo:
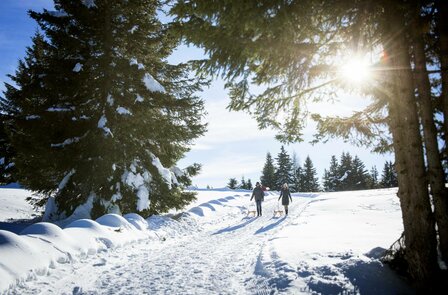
359	175
295	186
240	37
298	179
249	185
345	173
283	174
373	182
243	184
268	174
233	183
331	177
98	113
389	175
310	181
6	155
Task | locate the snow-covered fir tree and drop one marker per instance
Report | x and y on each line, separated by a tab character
331	179
249	184
233	183
389	175
345	172
373	178
298	179
359	175
310	182
296	175
99	117
268	174
243	184
283	172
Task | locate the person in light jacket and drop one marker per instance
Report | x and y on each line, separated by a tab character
258	194
285	195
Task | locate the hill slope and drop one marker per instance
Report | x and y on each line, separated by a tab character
329	244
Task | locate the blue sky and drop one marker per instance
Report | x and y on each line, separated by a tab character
233	146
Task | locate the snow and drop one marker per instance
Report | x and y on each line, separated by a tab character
58	13
143	198
329	244
152	84
133	29
134	61
14	205
139	182
66	178
2	160
89	3
77	68
123	111
102	125
68	141
110	100
139	98
344	177
60	109
166	174
32	117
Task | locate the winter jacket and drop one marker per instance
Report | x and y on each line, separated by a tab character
286	196
258	194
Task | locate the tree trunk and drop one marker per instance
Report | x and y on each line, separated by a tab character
436	174
418	221
442	28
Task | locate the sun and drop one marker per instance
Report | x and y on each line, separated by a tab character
356	70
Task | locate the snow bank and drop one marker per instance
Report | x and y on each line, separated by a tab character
330	243
42	246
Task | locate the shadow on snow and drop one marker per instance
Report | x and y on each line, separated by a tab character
270	226
235	227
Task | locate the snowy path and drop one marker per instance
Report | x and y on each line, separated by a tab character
222	257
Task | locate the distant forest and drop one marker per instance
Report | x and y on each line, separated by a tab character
347	173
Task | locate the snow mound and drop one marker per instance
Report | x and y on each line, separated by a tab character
136	220
8	238
43	228
85	223
114	220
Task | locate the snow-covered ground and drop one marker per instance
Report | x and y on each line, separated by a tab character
329	244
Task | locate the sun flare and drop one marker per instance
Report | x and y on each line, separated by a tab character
356	70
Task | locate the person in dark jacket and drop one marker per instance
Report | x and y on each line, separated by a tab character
258	194
286	196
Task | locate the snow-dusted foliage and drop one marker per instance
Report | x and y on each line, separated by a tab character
106	116
152	84
77	67
89	3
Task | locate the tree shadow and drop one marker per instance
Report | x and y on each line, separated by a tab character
235	227
376	278
17	225
270	226
367	277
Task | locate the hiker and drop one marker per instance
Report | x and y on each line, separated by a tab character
286	196
259	197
